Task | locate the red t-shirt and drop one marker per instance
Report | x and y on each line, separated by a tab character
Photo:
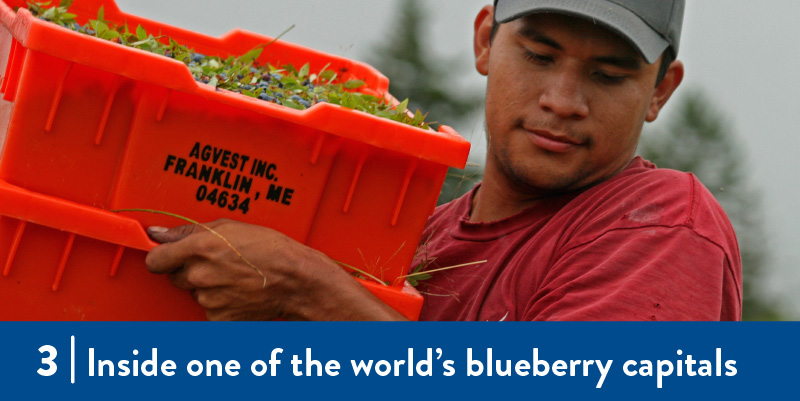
648	244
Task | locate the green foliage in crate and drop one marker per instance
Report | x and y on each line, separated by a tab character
285	85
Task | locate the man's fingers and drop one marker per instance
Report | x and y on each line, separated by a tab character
181	244
164	235
178	278
171	256
167	258
197	275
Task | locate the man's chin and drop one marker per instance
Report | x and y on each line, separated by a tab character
545	184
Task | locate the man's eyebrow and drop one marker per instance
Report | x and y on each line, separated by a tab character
532	34
626	62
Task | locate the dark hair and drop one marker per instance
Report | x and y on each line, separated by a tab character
666	58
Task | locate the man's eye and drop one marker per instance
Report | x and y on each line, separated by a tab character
608	78
537	58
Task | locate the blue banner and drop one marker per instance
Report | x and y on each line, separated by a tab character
268	360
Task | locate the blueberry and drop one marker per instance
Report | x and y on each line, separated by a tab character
253	70
305	103
280	95
276	76
239	76
197	57
223	76
296	98
267	97
306	83
247	87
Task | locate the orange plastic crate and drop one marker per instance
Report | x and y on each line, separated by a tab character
88	126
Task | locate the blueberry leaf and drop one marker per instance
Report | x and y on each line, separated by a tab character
304	71
141	34
292	104
354	84
251	56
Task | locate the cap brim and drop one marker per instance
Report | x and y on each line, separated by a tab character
615	17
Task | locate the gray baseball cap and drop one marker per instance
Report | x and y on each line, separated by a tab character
651	26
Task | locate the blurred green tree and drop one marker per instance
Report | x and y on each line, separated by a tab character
429	82
696	139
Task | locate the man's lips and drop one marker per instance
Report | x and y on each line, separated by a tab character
552	142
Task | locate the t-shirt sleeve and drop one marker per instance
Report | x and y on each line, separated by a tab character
644	273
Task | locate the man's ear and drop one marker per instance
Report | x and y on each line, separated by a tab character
483	38
665	89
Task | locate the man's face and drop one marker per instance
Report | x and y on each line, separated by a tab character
565	104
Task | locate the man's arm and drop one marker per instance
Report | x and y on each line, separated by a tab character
245	272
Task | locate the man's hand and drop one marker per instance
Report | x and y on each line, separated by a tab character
238	271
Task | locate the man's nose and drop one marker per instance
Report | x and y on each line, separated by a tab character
564	96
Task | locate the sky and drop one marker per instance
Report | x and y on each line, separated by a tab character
743	54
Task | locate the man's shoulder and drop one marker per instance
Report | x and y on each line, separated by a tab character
646	180
643	193
678	193
646	196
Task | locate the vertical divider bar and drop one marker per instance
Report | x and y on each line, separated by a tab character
404	189
317	148
334	146
57	98
163	106
107	109
354	182
12	252
137	109
117	259
9	65
63	262
14	72
139	114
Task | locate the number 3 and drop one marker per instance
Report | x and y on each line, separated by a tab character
51	370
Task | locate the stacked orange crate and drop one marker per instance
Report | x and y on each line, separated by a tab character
88	126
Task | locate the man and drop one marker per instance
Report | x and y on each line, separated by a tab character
573	225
